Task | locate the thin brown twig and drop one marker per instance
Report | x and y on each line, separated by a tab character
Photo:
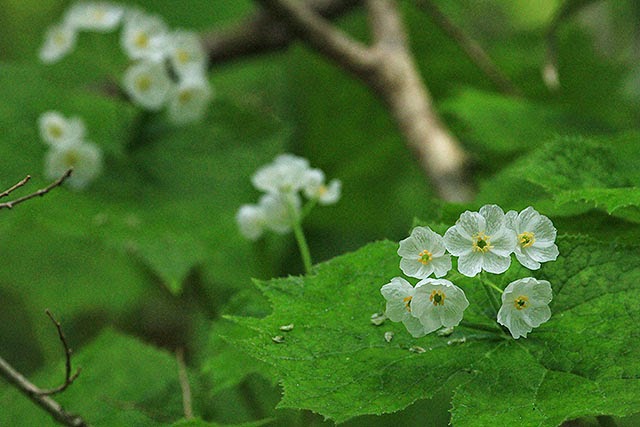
471	47
37	395
184	384
68	377
41	192
15	187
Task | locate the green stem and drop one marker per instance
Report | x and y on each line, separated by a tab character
296	219
493	285
480	326
491	296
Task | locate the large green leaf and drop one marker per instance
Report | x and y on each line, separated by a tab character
337	363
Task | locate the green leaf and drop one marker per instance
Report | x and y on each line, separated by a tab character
123	382
196	422
335	362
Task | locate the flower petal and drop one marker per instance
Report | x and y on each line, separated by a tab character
504	241
470	264
542	254
494	263
494	217
441	265
526	260
414	326
458	244
470	223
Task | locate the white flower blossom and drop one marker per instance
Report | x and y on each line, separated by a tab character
185	52
536	237
399	295
525	305
94	16
144	36
57	131
423	253
84	157
285	174
280	210
315	187
148	84
59	41
251	221
189	99
438	303
482	241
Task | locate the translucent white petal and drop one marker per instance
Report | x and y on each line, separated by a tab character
441	265
470	264
526	261
188	100
494	218
544	231
456	243
510	220
84	157
185	52
470	223
148	84
331	193
513	321
430	321
452	311
541	254
94	16
504	241
539	291
144	36
414	326
280	210
251	221
313	182
395	293
414	268
496	264
528	219
535	316
59	41
56	130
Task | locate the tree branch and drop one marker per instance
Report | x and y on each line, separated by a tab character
389	70
41	192
184	384
472	48
40	397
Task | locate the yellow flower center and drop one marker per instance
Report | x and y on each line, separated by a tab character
437	297
407	302
185	96
526	239
141	40
481	242
183	56
521	302
71	158
143	83
425	257
99	14
60	39
55	131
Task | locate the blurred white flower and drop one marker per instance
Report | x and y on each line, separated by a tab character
94	16
399	295
185	52
525	305
144	36
536	237
251	221
285	174
189	99
423	253
59	41
481	241
148	84
57	131
437	303
315	187
84	157
280	211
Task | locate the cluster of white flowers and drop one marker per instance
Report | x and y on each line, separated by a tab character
481	240
283	181
68	149
168	67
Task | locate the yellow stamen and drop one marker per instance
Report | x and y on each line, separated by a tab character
185	96
481	242
425	257
55	131
183	56
71	158
141	40
521	302
407	301
437	297
143	83
526	239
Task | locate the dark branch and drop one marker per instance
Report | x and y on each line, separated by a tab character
68	377
41	192
15	187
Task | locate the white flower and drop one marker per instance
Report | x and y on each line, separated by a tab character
144	36
536	237
59	41
57	131
399	295
251	221
285	174
423	253
189	99
481	241
315	188
525	305
84	157
186	53
94	16
437	303
148	84
280	211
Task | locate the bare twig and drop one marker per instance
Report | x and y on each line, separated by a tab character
41	192
40	397
387	67
15	187
68	377
184	383
472	48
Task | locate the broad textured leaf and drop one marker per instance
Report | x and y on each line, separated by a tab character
337	363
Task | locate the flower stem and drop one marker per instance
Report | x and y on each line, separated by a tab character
480	326
302	246
491	296
493	285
